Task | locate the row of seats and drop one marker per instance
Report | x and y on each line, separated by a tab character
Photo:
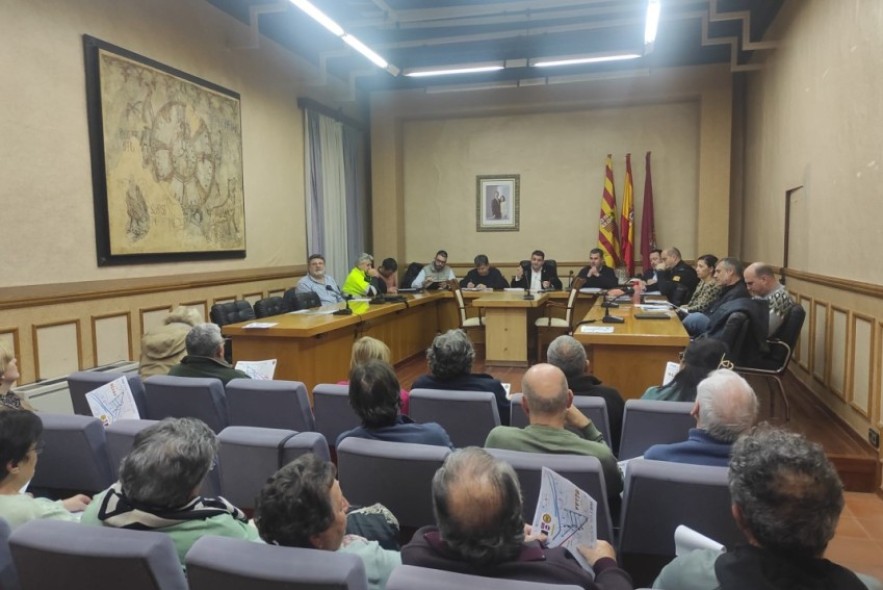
50	555
232	312
466	416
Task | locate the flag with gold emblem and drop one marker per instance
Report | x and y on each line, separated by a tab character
608	240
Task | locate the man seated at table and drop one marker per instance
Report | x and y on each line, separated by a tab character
569	355
649	276
205	356
787	499
725	409
319	283
374	396
388	281
728	273
536	275
676	279
450	367
484	276
597	274
548	403
478	509
436	274
359	282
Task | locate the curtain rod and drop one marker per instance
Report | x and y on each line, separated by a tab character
336	114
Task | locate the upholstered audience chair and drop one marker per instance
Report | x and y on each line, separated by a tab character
271	404
649	422
467	416
74	457
181	397
82	382
595	408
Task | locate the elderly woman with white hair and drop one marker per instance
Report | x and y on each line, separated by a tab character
358	282
158	488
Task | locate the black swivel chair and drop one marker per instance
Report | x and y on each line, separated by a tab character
269	306
231	313
294	301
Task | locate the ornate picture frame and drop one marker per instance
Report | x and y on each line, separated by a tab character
166	152
497	202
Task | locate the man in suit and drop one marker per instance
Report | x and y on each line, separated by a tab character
675	278
649	277
597	274
536	275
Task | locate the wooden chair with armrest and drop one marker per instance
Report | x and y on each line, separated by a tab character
549	327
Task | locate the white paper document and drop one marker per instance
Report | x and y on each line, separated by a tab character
590	290
113	401
686	540
671	369
567	514
263	370
596	329
260	325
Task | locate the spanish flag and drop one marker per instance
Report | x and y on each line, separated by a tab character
627	219
607	234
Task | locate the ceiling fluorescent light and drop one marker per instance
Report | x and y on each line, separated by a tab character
652	23
569	61
364	50
454	70
319	16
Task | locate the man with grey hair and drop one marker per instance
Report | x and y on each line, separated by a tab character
205	356
450	367
358	282
725	409
158	488
481	531
569	355
548	404
762	283
787	499
319	282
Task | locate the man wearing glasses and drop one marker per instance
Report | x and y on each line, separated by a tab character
318	282
436	274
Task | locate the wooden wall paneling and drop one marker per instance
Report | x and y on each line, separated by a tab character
804	343
276	293
200	306
153	317
838	352
820	341
878	380
253	298
57	349
861	363
9	339
229	299
111	337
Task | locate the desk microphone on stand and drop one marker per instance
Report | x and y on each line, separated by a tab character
528	296
570	281
611	319
345	310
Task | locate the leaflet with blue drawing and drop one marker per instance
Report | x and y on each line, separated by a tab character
263	370
113	401
567	514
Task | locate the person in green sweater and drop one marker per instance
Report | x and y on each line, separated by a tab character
548	403
205	356
158	489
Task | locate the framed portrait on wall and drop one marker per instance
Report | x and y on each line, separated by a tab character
166	152
497	202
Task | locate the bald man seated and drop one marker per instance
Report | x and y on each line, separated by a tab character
548	403
725	409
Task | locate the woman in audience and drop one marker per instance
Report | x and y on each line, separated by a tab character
367	348
159	483
20	444
701	358
708	290
450	367
374	396
9	400
301	505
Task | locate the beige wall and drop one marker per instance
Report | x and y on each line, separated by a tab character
46	189
428	149
813	119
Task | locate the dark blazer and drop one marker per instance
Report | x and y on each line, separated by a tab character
648	275
678	283
546	274
493	280
607	280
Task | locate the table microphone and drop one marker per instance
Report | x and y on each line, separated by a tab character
346	310
611	319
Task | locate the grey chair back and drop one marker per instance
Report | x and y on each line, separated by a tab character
8	575
82	382
583	471
120	438
249	455
649	422
181	397
331	407
595	408
467	416
75	455
220	563
409	577
398	475
660	495
53	554
269	404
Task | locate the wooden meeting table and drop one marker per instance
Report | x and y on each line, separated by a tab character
632	357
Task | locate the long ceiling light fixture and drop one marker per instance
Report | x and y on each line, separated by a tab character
326	21
581	59
451	70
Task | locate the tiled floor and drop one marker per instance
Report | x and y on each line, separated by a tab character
858	543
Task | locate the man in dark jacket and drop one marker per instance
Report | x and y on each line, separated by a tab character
728	274
205	356
536	274
677	280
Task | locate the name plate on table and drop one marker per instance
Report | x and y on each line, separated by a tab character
596	329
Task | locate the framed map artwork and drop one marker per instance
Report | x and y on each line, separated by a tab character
166	161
